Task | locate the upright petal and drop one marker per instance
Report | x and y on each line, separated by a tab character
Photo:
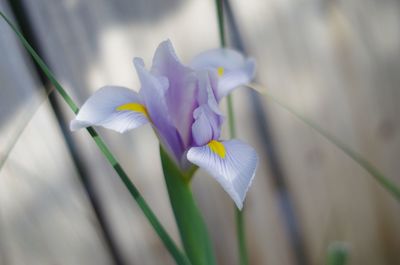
206	125
207	116
232	163
231	66
113	107
153	92
180	95
207	90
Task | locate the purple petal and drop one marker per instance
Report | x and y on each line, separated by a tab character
208	117
202	129
153	92
207	88
180	95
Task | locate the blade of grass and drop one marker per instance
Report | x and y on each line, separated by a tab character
384	181
176	253
240	227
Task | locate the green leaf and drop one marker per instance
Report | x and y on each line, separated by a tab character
338	254
190	223
384	181
176	253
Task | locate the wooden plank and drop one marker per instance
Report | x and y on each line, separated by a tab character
316	57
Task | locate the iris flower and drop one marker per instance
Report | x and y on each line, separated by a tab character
182	105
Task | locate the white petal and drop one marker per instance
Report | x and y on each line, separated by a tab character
101	110
234	172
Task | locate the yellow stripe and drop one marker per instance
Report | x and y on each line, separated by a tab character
220	71
218	148
136	107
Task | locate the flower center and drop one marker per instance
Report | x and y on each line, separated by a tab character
218	148
136	107
220	71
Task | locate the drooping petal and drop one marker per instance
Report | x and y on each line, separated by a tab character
180	95
234	78
231	66
232	163
153	92
113	107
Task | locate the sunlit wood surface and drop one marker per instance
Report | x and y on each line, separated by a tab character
336	62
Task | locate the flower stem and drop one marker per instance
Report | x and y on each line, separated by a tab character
231	116
176	253
221	25
244	259
190	223
240	225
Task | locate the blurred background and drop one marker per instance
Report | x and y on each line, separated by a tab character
335	61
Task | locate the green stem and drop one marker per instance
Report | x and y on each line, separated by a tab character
231	116
190	223
221	26
239	216
176	253
243	258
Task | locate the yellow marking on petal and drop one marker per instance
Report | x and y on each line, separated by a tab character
136	107
220	71
218	148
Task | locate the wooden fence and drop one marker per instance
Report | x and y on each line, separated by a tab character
336	62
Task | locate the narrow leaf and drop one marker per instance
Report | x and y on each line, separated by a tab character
384	181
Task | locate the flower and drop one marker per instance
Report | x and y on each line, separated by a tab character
181	103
